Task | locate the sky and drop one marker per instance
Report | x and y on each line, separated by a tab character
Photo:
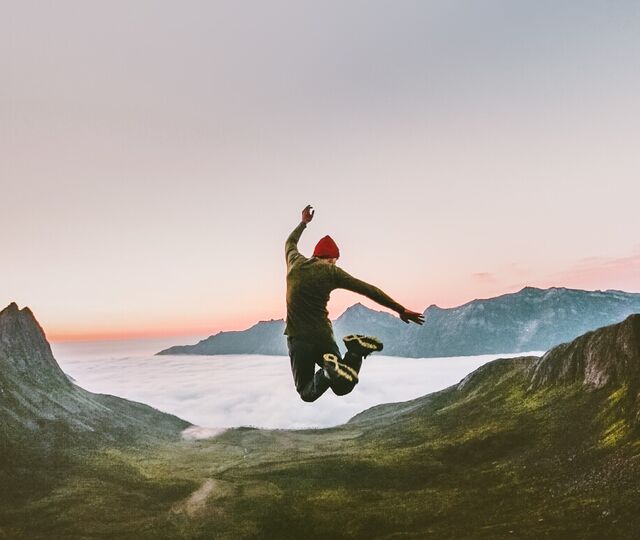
155	155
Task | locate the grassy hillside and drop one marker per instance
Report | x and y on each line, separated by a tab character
48	425
492	457
477	462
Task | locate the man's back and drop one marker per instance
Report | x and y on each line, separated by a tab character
309	286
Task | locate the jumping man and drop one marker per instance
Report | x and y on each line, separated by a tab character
309	333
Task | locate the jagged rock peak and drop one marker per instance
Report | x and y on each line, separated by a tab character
608	355
12	319
24	347
357	307
530	289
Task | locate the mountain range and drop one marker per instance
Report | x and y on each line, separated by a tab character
529	447
529	320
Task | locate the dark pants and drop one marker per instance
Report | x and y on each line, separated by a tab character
311	384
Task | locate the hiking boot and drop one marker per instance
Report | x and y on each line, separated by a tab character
337	371
362	345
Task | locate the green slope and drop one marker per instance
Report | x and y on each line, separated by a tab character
48	424
493	457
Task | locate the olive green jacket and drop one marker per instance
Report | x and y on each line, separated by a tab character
309	285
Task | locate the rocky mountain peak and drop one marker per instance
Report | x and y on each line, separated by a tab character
24	348
40	407
357	308
529	289
608	355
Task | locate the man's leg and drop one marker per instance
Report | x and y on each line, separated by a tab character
303	357
358	347
354	361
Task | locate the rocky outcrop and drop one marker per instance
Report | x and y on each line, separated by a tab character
39	404
609	355
24	349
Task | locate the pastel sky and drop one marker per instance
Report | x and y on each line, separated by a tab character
154	155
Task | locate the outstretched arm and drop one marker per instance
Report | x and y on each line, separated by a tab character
291	245
348	282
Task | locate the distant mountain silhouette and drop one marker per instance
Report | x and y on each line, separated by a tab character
531	319
264	337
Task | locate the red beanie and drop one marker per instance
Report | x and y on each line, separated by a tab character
326	249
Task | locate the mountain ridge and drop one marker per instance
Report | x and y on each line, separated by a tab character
38	401
490	457
606	357
526	320
23	339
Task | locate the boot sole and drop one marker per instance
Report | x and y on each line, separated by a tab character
368	343
342	370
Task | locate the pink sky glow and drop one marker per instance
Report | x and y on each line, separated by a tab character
156	156
597	273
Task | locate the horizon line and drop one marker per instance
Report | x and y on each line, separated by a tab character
79	337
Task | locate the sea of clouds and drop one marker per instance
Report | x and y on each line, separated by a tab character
251	390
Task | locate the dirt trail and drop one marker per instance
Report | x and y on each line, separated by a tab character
197	500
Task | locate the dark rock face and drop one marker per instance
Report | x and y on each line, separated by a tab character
39	404
531	319
610	355
24	348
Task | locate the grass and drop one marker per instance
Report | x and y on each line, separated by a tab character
492	460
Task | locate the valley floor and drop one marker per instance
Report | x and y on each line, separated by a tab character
491	459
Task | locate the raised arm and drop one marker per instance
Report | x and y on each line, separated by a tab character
291	245
348	282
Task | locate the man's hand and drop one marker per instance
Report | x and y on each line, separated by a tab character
307	213
411	316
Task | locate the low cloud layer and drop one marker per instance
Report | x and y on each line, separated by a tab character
238	390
